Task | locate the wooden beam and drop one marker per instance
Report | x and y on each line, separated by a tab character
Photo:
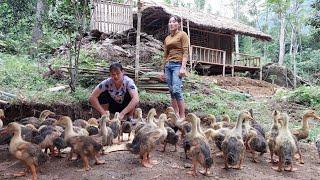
221	34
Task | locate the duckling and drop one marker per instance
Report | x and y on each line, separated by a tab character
36	122
138	115
1	117
92	126
106	132
80	123
126	127
199	147
187	138
177	124
149	124
30	154
274	132
46	137
115	125
256	125
85	146
318	144
172	138
69	131
285	146
255	142
303	132
232	146
144	142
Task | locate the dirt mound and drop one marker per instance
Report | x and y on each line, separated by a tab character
119	46
280	75
254	87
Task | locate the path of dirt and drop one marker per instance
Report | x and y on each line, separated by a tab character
124	165
254	87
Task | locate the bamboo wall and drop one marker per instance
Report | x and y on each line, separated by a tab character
108	16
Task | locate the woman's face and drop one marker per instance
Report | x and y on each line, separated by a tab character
116	75
173	24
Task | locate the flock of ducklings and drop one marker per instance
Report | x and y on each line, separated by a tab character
30	139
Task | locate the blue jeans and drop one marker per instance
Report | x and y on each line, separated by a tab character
173	79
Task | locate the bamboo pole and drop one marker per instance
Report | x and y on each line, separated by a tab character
138	43
190	50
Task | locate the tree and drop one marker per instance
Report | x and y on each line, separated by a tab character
199	4
209	8
280	8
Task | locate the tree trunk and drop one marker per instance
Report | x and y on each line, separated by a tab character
37	29
281	39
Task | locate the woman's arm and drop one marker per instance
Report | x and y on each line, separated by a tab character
185	55
93	99
132	104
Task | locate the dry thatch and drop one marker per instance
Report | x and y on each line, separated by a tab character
210	22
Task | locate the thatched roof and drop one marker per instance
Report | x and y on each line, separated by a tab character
206	21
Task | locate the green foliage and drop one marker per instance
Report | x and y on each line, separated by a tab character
199	4
306	95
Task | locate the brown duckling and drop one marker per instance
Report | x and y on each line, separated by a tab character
199	147
86	146
36	122
149	124
126	127
274	132
106	132
172	138
46	138
115	125
69	131
285	146
145	141
1	117
80	123
255	124
187	138
255	142
303	132
138	115
93	126
30	154
232	146
177	124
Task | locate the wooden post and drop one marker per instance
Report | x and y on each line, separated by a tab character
224	64
136	70
190	50
260	69
232	68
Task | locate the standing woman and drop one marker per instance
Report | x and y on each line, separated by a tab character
175	59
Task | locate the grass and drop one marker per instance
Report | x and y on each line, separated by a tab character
22	76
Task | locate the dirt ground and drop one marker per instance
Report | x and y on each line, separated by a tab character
253	87
173	165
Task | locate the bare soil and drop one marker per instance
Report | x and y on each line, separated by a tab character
172	165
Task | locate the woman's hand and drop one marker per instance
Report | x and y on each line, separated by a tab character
182	72
162	76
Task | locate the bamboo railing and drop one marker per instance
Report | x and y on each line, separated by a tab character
108	16
246	60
